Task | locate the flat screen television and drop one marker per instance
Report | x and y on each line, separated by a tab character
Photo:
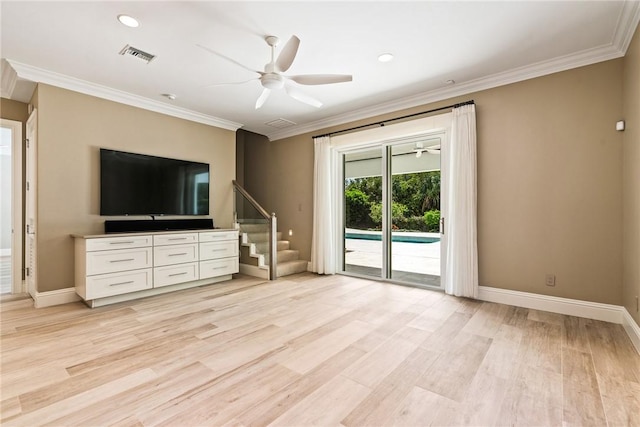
138	184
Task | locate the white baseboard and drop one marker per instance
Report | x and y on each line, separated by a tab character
571	307
632	328
57	297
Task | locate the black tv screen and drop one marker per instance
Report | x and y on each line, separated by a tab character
138	184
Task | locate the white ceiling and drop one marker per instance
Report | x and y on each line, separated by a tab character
478	44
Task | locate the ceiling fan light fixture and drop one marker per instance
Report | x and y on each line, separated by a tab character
129	21
385	57
272	81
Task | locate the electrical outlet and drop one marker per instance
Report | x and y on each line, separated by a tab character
550	280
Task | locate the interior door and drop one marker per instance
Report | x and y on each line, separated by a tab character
31	207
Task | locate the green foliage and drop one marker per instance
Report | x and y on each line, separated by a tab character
397	213
417	193
432	220
357	208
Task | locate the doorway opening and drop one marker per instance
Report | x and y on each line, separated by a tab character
11	207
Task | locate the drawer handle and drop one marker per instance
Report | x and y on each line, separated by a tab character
122	260
127	242
181	253
178	274
220	268
121	283
219	250
177	238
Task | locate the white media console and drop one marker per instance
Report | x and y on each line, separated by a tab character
118	267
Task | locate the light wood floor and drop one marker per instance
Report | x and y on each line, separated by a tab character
312	350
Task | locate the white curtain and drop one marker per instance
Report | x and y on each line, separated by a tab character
323	244
461	268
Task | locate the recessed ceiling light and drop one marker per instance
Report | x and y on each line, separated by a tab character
450	82
170	96
385	57
129	21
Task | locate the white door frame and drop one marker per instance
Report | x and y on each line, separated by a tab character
31	208
17	284
338	153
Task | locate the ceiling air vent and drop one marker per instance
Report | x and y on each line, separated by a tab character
280	123
137	53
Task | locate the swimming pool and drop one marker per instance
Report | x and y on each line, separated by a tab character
396	237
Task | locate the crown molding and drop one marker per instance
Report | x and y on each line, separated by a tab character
35	74
539	69
626	25
9	79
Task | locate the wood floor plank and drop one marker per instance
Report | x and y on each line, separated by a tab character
621	400
424	408
609	348
582	400
379	406
313	354
325	406
375	366
77	402
452	373
534	398
268	410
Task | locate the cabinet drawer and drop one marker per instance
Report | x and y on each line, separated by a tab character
118	260
175	254
215	250
218	267
122	242
170	275
106	285
174	239
218	236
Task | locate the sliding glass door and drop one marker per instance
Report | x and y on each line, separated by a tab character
391	200
362	230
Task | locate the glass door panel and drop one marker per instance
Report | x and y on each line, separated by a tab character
363	210
415	211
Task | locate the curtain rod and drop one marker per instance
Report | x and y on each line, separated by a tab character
382	123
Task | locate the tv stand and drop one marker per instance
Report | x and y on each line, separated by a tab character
119	267
143	225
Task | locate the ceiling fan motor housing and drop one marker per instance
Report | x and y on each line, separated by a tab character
272	81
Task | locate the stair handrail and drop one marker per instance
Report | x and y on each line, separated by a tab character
273	228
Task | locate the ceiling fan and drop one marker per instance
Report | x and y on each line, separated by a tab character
433	149
272	78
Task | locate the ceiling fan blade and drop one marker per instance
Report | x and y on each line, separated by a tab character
262	98
321	79
288	54
302	97
232	83
228	59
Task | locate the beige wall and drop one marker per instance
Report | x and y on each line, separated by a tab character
631	179
14	110
549	183
71	129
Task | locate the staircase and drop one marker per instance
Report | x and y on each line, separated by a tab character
254	246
